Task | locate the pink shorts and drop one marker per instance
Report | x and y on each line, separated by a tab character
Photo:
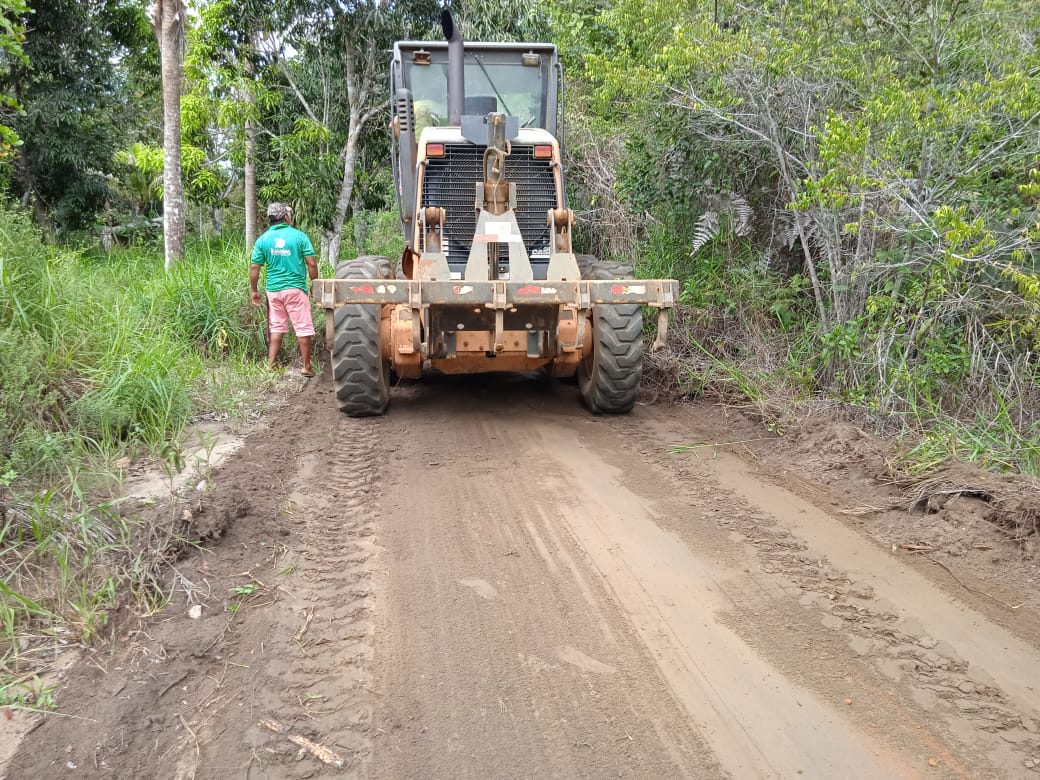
290	305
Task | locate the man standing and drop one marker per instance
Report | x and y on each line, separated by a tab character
289	257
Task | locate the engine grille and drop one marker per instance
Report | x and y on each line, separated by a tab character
450	182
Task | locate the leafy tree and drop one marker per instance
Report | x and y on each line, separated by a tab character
74	102
881	151
229	91
330	64
12	34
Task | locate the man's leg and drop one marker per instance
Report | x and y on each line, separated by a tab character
278	321
273	348
305	353
298	306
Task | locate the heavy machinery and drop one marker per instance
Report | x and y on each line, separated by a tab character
488	280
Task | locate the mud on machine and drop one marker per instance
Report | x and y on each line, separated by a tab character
488	280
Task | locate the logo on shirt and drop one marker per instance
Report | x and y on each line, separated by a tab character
279	248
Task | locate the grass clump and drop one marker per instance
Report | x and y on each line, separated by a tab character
102	357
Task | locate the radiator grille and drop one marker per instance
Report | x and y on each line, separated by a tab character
450	183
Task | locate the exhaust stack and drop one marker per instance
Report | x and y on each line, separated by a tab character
456	72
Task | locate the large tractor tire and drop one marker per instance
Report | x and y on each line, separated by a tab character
359	373
592	267
609	377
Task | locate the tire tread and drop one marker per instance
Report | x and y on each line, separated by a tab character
359	374
609	381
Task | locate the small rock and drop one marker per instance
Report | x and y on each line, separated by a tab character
201	487
966	687
932	762
848	702
927	642
195	612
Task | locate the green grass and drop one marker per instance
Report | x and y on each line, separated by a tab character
102	356
993	440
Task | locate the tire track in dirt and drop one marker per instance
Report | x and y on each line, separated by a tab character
758	722
750	626
988	725
316	678
285	633
499	653
491	583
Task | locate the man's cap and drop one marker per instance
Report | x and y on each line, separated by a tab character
279	211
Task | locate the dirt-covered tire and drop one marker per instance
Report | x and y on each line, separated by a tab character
359	373
592	267
609	377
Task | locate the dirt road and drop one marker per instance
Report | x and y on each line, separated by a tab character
489	582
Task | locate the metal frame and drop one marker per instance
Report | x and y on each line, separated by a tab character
333	293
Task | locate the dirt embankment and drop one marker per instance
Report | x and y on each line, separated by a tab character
489	582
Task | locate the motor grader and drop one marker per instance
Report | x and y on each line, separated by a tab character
488	280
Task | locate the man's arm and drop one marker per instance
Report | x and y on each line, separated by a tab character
254	278
312	266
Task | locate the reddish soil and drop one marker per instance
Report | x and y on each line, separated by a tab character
489	582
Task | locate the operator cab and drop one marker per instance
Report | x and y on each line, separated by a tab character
436	163
517	79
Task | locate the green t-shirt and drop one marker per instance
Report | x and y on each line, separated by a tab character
282	249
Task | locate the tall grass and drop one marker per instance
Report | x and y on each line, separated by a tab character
101	356
106	354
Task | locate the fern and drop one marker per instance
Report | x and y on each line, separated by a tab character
742	214
706	230
731	205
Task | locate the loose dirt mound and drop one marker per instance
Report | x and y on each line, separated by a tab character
1008	502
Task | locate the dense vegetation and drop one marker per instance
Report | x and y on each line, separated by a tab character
848	189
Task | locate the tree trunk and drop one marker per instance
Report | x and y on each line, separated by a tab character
216	218
346	190
249	174
250	185
360	228
326	240
169	18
